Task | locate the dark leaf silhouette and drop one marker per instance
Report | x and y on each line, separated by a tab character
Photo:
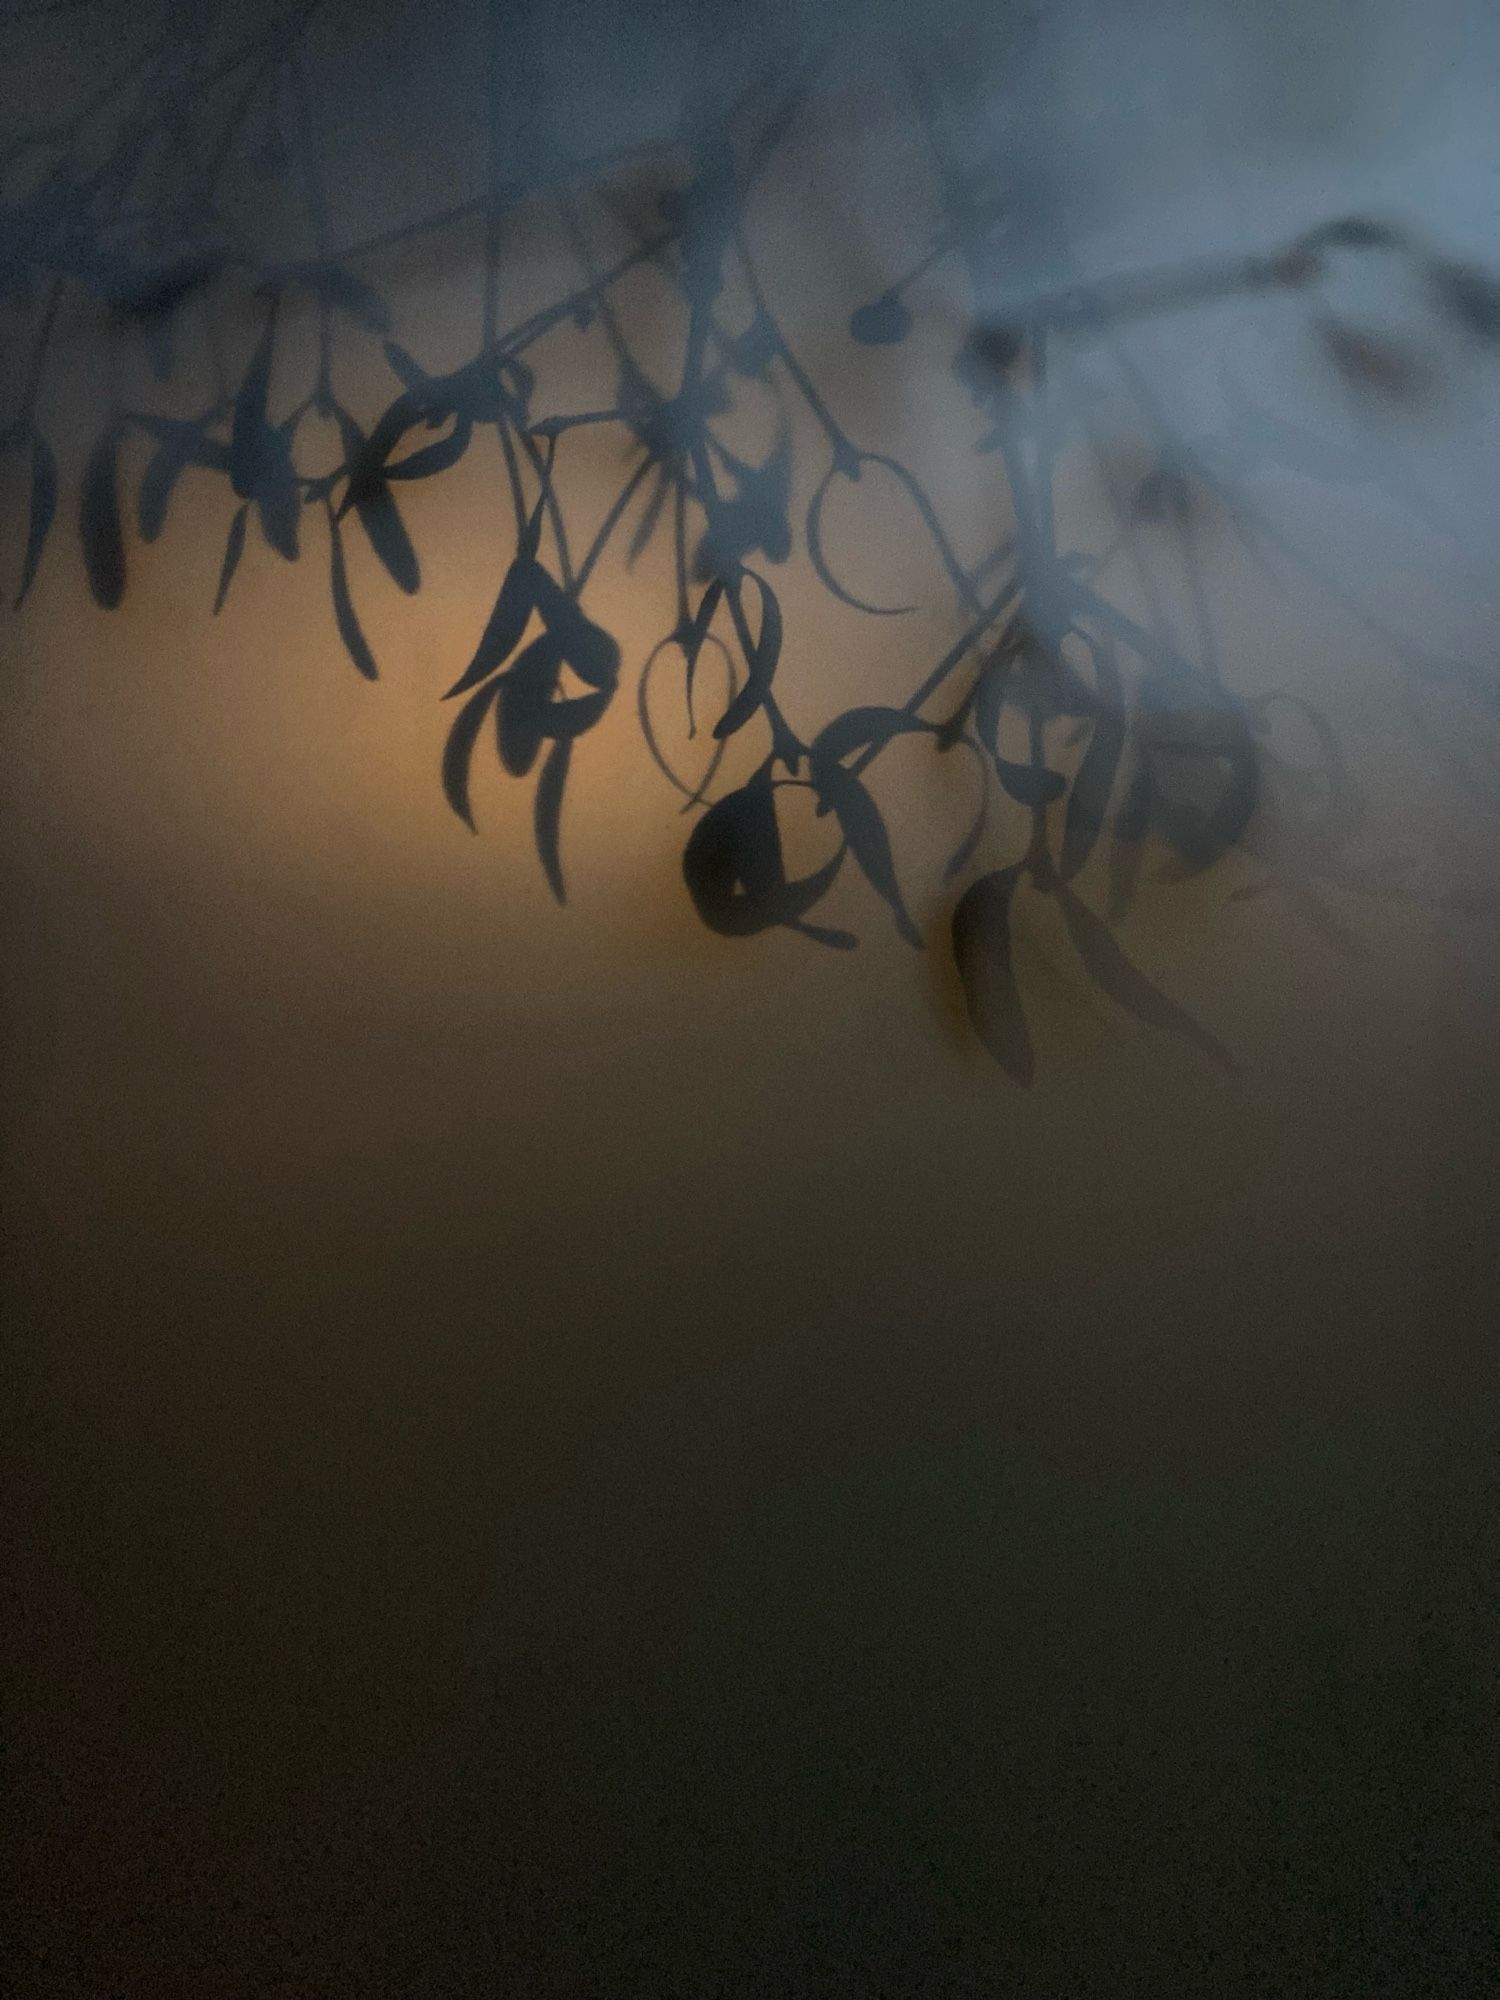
234	548
525	692
650	519
1187	764
692	641
882	323
1373	363
587	648
99	522
407	371
350	630
840	792
868	728
1354	232
1088	800
1163	495
761	654
548	813
1204	766
986	359
1030	784
375	505
1470	296
365	457
504	627
350	294
458	751
755	349
982	952
1114	974
1132	822
429	459
734	871
250	430
43	508
276	494
158	483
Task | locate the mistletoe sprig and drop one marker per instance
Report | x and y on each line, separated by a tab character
1130	747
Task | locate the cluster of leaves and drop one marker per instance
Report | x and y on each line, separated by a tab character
1114	764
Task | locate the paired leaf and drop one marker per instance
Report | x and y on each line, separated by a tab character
428	459
864	831
504	627
734	870
458	751
525	693
376	506
586	647
761	653
865	729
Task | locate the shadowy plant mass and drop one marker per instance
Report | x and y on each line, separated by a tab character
1162	751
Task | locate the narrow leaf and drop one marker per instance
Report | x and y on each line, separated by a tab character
234	548
248	433
504	627
548	813
865	831
761	655
158	483
43	508
404	368
1088	801
378	516
521	722
1114	974
350	630
982	952
865	729
428	459
99	522
277	495
352	296
458	752
588	649
365	457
